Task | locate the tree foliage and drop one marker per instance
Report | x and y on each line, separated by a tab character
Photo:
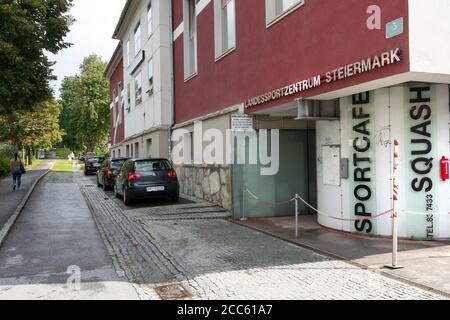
33	129
85	101
69	113
28	30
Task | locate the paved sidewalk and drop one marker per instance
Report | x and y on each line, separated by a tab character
9	199
215	259
426	263
54	232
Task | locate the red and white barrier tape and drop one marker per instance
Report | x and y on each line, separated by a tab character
279	203
344	219
285	202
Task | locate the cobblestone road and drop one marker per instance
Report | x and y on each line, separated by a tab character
190	244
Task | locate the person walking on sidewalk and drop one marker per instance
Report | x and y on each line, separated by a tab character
17	170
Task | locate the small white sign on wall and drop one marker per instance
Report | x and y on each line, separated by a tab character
331	156
241	122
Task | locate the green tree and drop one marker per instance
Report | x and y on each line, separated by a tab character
33	129
85	101
28	30
70	114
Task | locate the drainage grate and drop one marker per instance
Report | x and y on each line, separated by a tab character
172	292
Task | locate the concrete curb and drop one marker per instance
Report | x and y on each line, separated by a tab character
351	262
10	223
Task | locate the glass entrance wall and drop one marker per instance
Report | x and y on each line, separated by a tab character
297	174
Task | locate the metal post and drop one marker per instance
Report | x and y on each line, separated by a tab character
296	215
395	210
394	236
244	190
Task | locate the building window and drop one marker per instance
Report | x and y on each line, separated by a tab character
150	20
150	77
128	150
277	9
120	153
136	150
285	5
224	26
138	88
191	147
128	53
149	148
128	96
137	39
114	154
114	95
120	106
190	38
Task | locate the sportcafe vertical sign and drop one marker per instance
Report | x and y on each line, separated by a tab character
423	171
363	191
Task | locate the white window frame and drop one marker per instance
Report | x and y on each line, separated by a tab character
121	97
275	13
138	88
114	95
136	150
149	147
137	39
129	96
151	76
150	19
190	40
221	49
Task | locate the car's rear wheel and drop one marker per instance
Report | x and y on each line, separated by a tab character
126	197
98	183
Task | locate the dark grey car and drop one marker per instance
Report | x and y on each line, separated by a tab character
147	179
92	164
110	169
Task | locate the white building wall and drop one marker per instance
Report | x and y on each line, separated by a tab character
443	127
398	131
156	110
383	159
429	29
390	116
329	197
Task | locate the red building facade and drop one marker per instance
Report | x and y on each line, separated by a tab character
334	82
312	39
114	73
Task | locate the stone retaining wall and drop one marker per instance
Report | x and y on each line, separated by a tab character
210	183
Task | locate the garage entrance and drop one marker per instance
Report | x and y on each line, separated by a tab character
257	195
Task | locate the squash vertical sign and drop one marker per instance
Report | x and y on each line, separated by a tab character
421	205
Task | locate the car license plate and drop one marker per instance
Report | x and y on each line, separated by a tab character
155	189
96	165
